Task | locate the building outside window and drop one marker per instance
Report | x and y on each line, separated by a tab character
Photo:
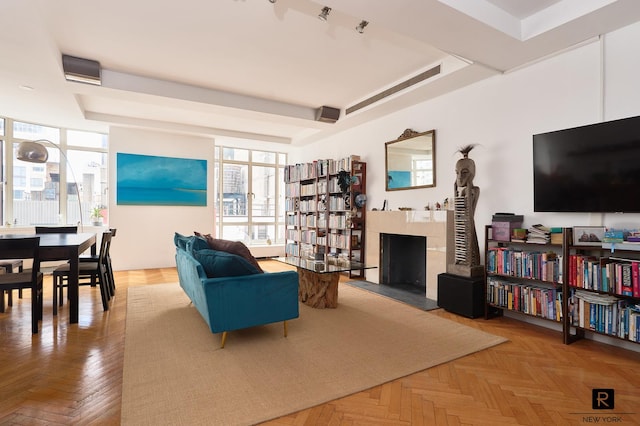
249	206
69	186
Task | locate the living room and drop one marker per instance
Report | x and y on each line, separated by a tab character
591	82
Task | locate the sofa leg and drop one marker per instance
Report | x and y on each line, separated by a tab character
285	329
224	339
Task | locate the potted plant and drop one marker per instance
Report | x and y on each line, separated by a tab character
96	216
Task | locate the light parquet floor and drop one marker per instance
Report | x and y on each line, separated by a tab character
73	374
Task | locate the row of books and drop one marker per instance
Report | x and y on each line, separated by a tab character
321	187
315	169
609	275
605	314
545	266
529	299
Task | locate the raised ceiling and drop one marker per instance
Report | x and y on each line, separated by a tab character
256	69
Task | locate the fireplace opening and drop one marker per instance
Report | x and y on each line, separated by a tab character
403	262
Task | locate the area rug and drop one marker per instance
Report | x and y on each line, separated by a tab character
175	372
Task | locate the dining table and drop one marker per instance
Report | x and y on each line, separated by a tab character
68	247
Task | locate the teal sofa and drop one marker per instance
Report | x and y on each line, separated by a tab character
229	292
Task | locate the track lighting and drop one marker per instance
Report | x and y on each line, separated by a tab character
324	13
361	25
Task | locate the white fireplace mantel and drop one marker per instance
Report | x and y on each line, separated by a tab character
430	224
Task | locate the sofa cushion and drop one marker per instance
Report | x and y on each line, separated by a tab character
195	243
181	240
222	264
233	247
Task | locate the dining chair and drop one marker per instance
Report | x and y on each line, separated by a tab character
94	258
89	273
71	229
24	248
56	229
9	266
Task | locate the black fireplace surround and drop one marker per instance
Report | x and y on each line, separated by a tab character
403	261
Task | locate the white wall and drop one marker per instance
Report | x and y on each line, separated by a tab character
145	233
501	114
579	87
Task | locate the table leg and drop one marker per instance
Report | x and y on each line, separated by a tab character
318	290
74	271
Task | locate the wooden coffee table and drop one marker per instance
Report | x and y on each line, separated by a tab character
318	285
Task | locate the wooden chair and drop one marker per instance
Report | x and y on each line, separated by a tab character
56	229
89	273
94	258
24	248
9	266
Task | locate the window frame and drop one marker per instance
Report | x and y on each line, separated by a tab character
7	139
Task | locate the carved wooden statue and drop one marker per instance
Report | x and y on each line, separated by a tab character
467	251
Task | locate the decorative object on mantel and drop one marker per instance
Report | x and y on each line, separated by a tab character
467	251
405	209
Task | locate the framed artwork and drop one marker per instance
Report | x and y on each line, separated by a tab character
588	235
160	181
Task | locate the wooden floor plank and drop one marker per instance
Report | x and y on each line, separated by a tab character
72	374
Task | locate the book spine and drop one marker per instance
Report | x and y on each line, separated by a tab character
635	279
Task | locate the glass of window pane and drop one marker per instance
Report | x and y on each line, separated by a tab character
36	190
86	139
89	170
263	187
235	154
236	233
263	234
234	191
263	157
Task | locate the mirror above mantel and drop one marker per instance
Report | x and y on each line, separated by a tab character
410	161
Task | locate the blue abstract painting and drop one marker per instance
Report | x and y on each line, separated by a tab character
160	181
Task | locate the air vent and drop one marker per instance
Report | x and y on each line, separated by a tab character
81	70
395	89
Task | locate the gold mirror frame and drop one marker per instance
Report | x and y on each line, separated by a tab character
410	161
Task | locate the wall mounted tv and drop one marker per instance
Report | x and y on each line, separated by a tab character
593	168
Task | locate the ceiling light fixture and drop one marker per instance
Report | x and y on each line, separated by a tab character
324	14
361	25
273	1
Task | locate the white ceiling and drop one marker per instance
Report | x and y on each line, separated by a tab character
253	69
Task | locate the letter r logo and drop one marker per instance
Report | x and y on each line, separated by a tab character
602	399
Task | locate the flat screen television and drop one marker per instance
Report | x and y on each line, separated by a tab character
594	168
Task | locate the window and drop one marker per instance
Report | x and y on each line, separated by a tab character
248	204
66	188
423	172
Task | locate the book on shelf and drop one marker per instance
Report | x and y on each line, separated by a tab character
555	238
539	234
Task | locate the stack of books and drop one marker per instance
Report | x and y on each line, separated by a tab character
556	235
539	234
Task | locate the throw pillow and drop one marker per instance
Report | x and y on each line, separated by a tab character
196	243
233	247
222	264
180	241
